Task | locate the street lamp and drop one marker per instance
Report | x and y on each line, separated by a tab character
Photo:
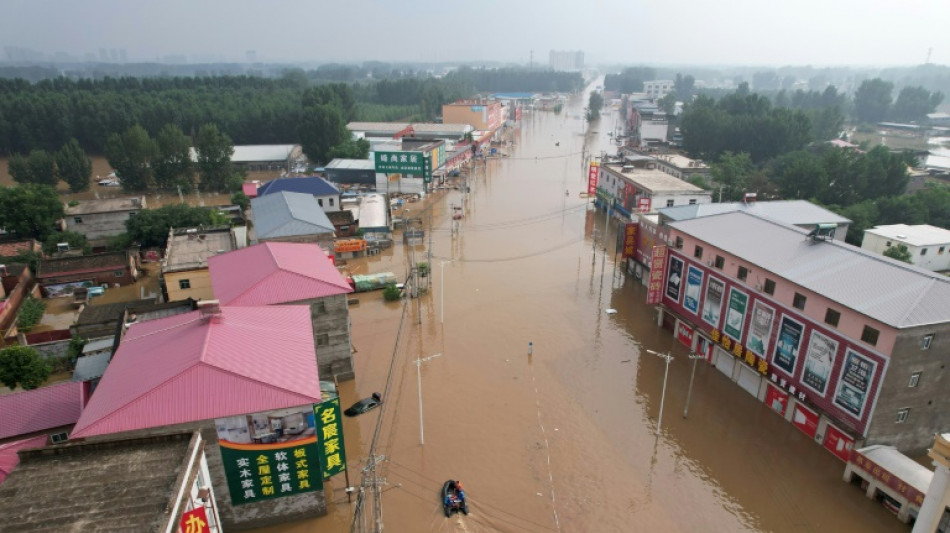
419	383
695	357
667	357
442	288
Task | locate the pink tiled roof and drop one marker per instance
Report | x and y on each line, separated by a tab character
192	367
8	453
274	273
43	408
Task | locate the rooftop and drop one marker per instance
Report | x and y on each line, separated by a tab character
190	248
289	214
13	249
919	235
274	273
203	365
358	164
654	181
313	185
108	205
105	313
424	128
253	153
794	212
889	291
378	127
8	453
898	464
29	411
89	367
681	161
83	263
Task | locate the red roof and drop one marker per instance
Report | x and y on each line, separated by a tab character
250	189
8	453
274	273
195	366
34	410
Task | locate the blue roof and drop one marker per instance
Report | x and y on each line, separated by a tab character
314	185
514	96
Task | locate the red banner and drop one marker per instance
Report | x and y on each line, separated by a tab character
629	240
643	204
684	333
776	399
657	266
805	420
592	173
195	521
704	347
838	443
913	495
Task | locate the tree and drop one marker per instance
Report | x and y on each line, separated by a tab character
594	104
799	175
872	100
76	241
731	174
150	227
214	158
73	166
350	149
668	102
42	168
173	166
131	155
19	169
30	210
241	200
683	85
321	127
23	366
31	313
913	104
899	252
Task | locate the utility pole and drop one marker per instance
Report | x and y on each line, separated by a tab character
692	374
668	358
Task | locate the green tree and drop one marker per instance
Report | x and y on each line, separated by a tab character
863	215
131	155
899	252
173	166
872	100
42	168
914	103
668	102
76	344
30	210
684	86
73	166
214	158
77	241
150	227
19	169
240	199
594	104
731	175
23	366
350	149
31	313
799	175
321	127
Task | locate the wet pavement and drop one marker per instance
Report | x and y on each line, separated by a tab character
563	439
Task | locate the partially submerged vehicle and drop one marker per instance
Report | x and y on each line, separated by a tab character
366	404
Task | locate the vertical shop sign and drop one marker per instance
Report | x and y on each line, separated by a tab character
331	451
684	334
789	341
694	285
760	329
657	264
195	521
818	362
643	204
675	279
629	240
854	383
592	173
735	314
712	305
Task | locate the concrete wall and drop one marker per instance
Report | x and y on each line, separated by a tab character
199	279
928	402
98	226
932	259
325	240
331	318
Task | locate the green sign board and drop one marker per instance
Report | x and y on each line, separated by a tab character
330	448
735	314
400	163
427	170
263	472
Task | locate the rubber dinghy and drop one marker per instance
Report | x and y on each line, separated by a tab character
453	498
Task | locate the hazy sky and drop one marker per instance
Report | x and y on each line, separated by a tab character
746	32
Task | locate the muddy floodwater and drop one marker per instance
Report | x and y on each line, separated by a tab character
563	439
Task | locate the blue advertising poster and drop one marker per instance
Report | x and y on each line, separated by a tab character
787	345
694	284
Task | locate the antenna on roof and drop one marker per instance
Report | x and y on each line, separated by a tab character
823	232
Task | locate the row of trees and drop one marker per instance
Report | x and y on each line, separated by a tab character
514	80
69	164
873	102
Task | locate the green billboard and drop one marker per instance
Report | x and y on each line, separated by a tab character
400	163
330	448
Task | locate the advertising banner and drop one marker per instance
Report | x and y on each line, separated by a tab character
735	314
657	264
805	420
704	347
888	478
331	450
629	240
789	341
776	399
195	521
838	443
684	333
760	329
675	279
712	305
592	173
270	454
643	204
349	245
694	285
400	162
818	362
854	383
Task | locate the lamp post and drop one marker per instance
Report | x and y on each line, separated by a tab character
442	288
419	383
667	357
695	357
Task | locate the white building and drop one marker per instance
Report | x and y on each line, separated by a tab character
569	60
656	89
929	246
629	190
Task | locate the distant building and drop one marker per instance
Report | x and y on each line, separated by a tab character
99	220
326	194
929	246
264	156
682	167
185	265
627	189
290	217
566	60
481	115
656	89
61	276
352	172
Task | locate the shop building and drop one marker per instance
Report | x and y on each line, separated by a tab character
682	167
848	346
628	189
481	115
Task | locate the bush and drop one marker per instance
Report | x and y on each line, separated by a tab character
423	268
23	366
31	312
391	293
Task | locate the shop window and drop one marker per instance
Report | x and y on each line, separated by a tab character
832	317
869	335
902	415
743	273
799	301
914	380
698	252
720	262
769	286
926	341
669	203
323	339
77	220
184	284
57	438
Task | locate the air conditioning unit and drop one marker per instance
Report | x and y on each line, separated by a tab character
758	287
709	262
62	247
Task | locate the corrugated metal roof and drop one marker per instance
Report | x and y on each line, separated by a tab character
288	214
38	409
313	185
89	367
787	211
381	127
274	273
253	153
919	235
891	292
357	164
373	208
898	464
8	453
192	367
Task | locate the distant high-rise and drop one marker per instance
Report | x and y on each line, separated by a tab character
569	60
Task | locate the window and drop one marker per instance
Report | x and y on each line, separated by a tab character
77	220
344	228
119	273
769	287
669	203
331	202
902	415
940	250
799	301
320	202
320	307
184	284
926	341
869	335
678	243
832	317
323	339
132	214
743	273
720	262
888	244
698	252
914	380
692	202
56	438
923	251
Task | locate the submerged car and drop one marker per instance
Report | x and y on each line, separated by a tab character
366	404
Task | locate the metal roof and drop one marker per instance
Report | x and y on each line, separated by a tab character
372	213
918	235
358	164
379	127
655	181
253	153
432	128
275	273
793	212
288	214
200	365
898	464
89	367
313	185
8	453
43	408
889	291
98	345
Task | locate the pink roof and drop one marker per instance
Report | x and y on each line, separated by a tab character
274	273
249	189
194	366
34	410
8	453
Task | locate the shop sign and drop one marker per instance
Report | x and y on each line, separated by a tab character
694	285
269	455
331	450
592	172
776	399
735	313
684	333
760	328
712	305
629	240
854	383
805	420
818	362
349	245
657	264
643	204
704	347
838	443
786	348
195	521
675	279
897	484
400	162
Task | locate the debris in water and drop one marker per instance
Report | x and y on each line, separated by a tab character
611	311
625	361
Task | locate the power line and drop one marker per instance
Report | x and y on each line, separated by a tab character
516	257
522	221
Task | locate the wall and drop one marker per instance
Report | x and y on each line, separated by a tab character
933	259
199	279
331	317
103	277
325	240
14	299
98	225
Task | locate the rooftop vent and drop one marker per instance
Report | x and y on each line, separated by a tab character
823	232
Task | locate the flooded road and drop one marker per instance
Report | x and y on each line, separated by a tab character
563	439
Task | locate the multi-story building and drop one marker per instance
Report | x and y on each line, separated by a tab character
630	189
566	60
185	265
848	346
100	219
484	116
682	167
929	246
656	89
